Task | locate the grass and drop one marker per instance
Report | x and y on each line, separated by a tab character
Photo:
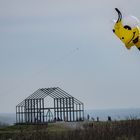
115	130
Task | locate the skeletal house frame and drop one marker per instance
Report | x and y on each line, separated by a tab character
65	107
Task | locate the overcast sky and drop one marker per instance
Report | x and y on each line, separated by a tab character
69	44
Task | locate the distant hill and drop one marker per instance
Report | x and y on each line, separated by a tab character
7	118
116	114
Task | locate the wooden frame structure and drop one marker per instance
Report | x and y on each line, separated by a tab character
65	107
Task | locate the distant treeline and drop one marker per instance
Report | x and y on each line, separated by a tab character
8	118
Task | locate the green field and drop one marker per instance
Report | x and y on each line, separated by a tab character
115	130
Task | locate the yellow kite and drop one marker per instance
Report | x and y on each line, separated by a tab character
127	30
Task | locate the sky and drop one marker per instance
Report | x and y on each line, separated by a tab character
67	44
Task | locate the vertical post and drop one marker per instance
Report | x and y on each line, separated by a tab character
25	112
63	109
31	109
37	110
80	111
70	107
43	107
54	109
67	109
83	111
60	109
57	109
76	113
28	110
19	114
40	109
73	108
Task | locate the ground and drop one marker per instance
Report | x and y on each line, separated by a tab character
113	130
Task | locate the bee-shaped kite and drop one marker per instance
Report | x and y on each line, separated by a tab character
127	30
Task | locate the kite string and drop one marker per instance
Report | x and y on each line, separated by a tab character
58	60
